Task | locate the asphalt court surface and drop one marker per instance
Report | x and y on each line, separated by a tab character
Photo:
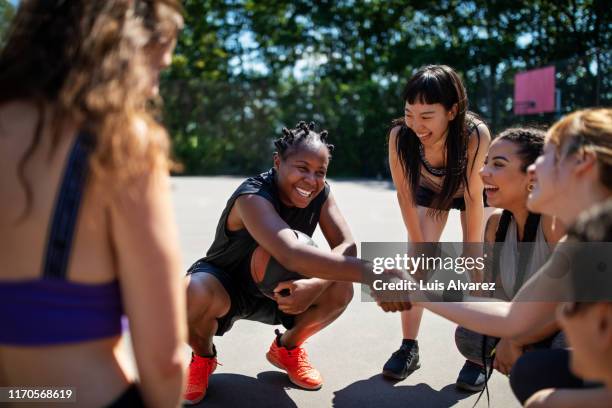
351	352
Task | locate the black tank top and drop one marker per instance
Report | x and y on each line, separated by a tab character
231	249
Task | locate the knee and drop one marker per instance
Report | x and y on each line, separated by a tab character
342	295
460	341
205	295
522	378
540	399
467	343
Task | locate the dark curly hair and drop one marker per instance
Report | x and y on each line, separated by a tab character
529	140
301	134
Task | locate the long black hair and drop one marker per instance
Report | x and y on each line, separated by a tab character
430	85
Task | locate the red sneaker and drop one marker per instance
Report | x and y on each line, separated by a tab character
200	369
295	363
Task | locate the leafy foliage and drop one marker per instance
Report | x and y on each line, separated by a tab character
243	69
7	11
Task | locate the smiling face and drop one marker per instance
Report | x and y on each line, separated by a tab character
573	173
301	174
428	121
551	178
505	182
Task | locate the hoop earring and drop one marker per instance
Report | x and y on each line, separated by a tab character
530	187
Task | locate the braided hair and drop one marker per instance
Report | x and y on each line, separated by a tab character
301	134
531	229
530	142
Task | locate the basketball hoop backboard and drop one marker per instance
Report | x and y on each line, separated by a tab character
534	91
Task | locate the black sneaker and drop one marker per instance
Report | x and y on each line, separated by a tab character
403	362
471	377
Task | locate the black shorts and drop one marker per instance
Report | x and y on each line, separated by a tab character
425	197
130	398
246	301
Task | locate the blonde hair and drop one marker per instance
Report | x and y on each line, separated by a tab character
86	62
586	130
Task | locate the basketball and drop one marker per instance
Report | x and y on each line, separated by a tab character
267	272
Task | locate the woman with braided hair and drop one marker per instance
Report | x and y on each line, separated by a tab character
507	187
264	211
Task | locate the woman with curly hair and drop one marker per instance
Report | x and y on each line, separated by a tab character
86	226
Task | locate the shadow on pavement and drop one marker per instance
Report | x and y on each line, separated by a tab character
378	392
235	390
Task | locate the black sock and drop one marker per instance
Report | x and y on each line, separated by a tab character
278	340
409	343
214	353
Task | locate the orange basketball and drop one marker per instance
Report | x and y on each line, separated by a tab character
259	263
267	272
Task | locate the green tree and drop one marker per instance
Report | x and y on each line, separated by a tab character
245	68
7	11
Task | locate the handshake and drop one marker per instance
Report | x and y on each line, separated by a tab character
396	290
393	289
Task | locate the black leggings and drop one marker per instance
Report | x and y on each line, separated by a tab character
130	398
540	369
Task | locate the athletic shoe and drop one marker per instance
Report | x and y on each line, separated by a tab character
471	377
295	362
402	362
200	369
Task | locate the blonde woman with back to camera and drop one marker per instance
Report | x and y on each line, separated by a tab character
86	224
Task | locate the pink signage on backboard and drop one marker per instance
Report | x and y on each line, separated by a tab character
534	91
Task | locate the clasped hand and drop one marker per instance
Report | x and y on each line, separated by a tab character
392	300
295	297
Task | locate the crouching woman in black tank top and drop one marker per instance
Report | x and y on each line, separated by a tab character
264	211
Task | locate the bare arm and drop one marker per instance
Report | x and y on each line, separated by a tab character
338	236
542	331
523	316
272	233
527	319
474	203
547	288
489	238
336	229
490	318
404	194
145	238
491	227
570	398
304	292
